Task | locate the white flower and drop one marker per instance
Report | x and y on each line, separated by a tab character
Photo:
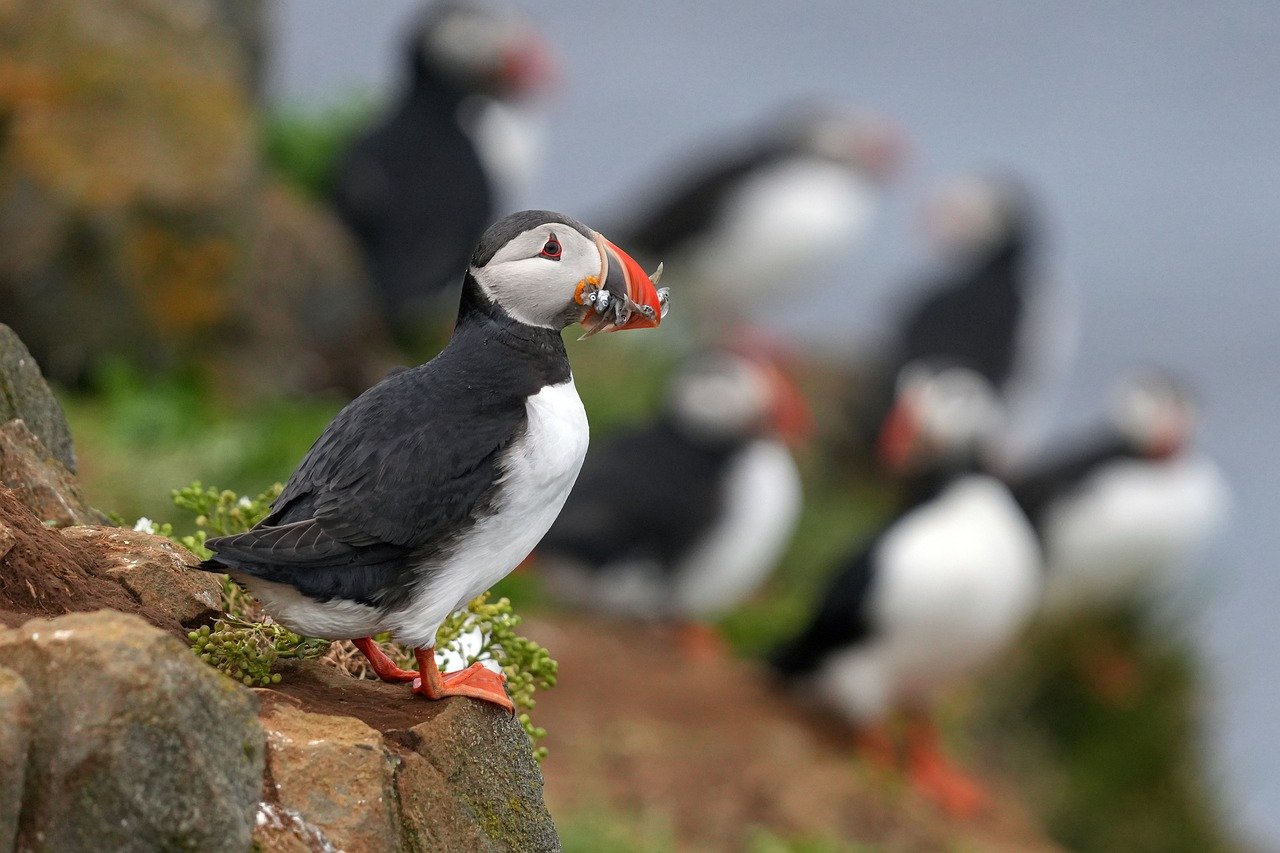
244	503
145	525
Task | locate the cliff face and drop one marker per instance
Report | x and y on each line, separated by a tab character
114	735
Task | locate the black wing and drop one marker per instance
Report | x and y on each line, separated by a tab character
416	194
398	472
648	494
843	617
697	203
1035	490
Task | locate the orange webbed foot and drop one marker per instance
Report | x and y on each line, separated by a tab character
935	778
475	682
701	643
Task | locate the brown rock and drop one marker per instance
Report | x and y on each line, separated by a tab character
40	480
25	395
156	572
138	746
464	776
127	172
336	773
44	572
15	738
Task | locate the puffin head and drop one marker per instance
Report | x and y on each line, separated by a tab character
1155	412
867	143
481	47
940	414
979	215
725	395
547	269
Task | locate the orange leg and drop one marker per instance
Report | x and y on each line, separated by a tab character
476	681
935	777
383	666
701	642
875	745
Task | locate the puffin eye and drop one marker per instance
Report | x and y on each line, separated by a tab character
551	250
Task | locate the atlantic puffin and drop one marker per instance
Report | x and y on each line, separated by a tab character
1120	512
699	504
989	308
420	187
439	480
759	219
943	587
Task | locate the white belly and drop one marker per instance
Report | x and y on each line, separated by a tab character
539	470
782	228
762	502
1130	529
957	579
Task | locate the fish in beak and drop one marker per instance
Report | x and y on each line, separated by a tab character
623	296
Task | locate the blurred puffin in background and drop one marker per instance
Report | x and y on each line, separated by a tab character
759	220
684	518
435	483
941	589
988	310
1122	512
420	187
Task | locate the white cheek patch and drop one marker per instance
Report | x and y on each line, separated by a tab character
534	290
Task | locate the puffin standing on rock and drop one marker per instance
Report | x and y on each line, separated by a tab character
941	589
435	483
699	505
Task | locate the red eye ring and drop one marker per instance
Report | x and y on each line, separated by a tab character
552	249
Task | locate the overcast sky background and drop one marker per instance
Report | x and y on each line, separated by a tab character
1150	131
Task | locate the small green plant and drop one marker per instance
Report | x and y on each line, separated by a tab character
247	645
486	631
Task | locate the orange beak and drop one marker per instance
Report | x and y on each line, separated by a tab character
633	302
790	413
897	438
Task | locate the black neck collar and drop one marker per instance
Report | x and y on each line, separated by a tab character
478	315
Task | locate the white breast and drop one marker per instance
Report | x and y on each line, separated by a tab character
1131	528
956	580
762	502
782	227
538	471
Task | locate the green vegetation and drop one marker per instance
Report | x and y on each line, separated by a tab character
303	148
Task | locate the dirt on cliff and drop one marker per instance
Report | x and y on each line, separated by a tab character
709	754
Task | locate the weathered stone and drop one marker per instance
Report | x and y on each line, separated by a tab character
128	166
487	763
336	774
431	817
25	395
15	738
155	571
139	746
40	480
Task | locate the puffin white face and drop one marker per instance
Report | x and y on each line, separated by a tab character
969	214
557	271
1154	412
485	47
725	395
938	414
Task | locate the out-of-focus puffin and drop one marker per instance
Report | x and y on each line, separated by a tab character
696	507
438	481
941	589
419	189
989	310
759	220
1121	512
